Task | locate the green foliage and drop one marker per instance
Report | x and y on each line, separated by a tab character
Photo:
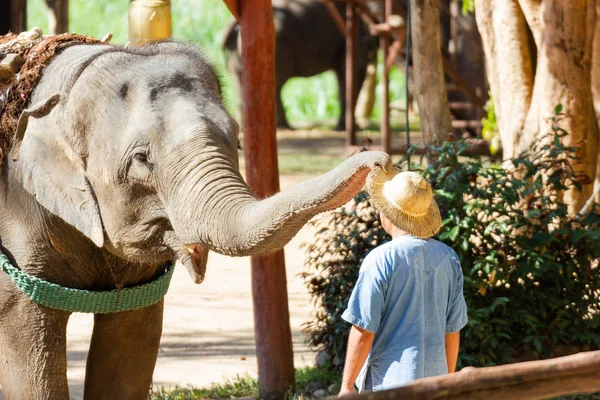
241	386
312	99
530	268
490	127
468	6
246	386
325	375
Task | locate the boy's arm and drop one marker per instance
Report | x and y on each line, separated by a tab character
360	342
452	345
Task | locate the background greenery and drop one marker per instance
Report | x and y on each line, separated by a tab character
203	21
530	269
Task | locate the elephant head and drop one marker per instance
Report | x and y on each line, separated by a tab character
141	157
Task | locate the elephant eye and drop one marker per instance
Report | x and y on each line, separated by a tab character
240	145
141	157
140	168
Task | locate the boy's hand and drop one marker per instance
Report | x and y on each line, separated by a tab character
346	391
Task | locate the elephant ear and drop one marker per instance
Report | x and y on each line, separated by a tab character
51	171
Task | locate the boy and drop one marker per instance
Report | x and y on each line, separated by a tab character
407	308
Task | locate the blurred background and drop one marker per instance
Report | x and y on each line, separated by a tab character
308	101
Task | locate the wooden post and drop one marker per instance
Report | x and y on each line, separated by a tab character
269	286
18	17
385	40
351	46
335	15
58	16
13	16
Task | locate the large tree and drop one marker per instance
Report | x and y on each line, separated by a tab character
430	89
539	53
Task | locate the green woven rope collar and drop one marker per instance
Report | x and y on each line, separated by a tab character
76	300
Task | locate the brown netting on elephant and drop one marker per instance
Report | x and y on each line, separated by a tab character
15	91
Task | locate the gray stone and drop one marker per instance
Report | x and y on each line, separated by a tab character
337	360
334	388
312	386
322	358
319	394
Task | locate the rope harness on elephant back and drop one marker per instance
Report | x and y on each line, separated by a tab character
35	52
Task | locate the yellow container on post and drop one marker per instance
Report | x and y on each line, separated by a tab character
149	21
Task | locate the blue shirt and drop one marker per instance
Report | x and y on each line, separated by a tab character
410	293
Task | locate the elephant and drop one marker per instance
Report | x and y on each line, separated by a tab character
307	43
127	159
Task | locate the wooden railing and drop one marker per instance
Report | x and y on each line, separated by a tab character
579	373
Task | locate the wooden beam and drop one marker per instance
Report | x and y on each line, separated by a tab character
579	373
351	87
365	13
384	41
335	15
269	284
234	8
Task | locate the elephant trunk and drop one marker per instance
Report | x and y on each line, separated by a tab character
241	225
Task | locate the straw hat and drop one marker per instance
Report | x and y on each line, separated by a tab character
406	199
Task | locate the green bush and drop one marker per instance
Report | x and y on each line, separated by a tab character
530	268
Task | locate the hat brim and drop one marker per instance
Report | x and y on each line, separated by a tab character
423	227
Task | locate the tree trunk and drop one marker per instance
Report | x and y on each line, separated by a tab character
563	76
508	63
430	88
531	10
563	31
596	83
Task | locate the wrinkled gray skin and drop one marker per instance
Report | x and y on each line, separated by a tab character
307	43
135	166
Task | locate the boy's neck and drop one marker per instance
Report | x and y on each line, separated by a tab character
396	232
399	233
390	228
